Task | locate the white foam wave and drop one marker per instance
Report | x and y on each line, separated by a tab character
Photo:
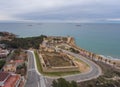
110	57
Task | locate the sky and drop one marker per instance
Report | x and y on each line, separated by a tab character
60	10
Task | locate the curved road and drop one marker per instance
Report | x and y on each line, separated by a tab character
37	80
94	72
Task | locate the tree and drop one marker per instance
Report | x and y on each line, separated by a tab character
106	60
25	43
2	62
109	61
101	58
17	52
74	84
61	82
93	55
114	63
98	58
54	83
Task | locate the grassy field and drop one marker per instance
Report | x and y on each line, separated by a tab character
39	67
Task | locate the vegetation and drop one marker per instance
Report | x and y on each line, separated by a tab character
110	77
2	62
61	73
25	43
39	66
20	54
22	69
63	83
17	52
74	50
6	34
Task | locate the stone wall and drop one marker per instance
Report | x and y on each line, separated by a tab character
60	69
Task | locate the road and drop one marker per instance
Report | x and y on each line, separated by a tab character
94	72
33	78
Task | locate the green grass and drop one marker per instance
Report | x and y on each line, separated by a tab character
39	67
2	63
61	73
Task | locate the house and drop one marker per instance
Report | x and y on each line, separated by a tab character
12	65
2	46
3	53
9	80
3	77
19	62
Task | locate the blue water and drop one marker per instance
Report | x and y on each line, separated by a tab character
99	38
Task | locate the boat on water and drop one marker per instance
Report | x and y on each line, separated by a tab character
30	25
78	25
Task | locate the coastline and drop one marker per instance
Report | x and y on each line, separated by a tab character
83	52
117	61
96	57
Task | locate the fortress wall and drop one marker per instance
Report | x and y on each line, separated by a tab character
60	69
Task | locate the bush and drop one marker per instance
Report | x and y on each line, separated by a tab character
63	83
2	62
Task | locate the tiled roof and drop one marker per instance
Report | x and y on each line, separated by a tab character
11	81
3	76
19	61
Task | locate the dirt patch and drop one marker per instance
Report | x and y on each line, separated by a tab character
57	60
83	67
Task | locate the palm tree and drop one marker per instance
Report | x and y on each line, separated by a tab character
93	55
106	60
90	55
114	63
109	61
99	57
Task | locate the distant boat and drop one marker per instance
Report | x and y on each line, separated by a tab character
30	25
40	23
78	25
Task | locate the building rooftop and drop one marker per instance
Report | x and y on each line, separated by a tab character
3	76
19	61
12	81
9	80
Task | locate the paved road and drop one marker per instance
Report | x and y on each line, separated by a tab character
37	80
33	78
94	72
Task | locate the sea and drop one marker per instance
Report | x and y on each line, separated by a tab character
99	38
